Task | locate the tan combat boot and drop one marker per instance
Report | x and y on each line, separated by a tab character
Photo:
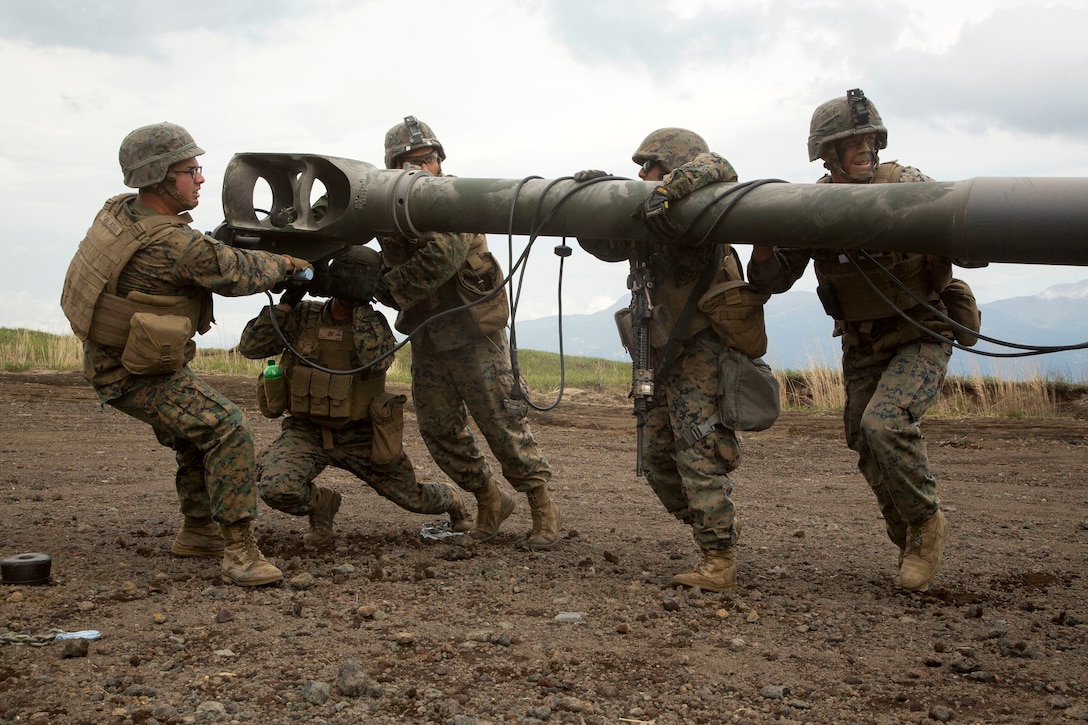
243	562
546	520
460	517
922	555
717	572
493	506
198	537
326	503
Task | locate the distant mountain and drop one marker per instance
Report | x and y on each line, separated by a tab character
800	334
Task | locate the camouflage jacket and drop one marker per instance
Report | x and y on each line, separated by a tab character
180	261
369	327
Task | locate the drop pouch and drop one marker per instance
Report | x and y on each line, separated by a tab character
749	397
387	420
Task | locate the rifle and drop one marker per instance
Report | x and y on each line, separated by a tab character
641	284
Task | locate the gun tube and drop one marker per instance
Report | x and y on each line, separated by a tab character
1019	220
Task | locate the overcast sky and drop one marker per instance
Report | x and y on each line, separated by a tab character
515	88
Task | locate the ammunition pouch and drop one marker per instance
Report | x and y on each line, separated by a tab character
330	400
736	316
387	421
959	300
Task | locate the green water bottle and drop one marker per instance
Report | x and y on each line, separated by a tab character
275	390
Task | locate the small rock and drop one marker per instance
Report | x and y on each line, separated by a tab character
941	713
302	581
316	693
352	680
75	648
774	692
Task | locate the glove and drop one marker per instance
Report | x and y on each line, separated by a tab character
301	265
588	174
655	212
292	296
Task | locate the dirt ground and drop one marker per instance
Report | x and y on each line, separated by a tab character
390	627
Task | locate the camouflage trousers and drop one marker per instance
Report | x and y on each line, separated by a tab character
887	393
289	466
693	482
474	379
210	436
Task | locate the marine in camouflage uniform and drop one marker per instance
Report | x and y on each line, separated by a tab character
690	477
141	257
308	443
892	371
461	360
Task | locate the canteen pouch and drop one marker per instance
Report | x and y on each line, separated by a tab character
748	392
271	396
156	343
387	420
959	300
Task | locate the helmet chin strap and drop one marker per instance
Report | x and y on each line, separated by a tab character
834	165
167	187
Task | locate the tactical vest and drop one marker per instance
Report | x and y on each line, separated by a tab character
846	294
326	399
89	298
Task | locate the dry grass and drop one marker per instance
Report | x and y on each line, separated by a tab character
818	388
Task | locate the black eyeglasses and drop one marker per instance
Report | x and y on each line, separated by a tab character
192	171
423	160
649	165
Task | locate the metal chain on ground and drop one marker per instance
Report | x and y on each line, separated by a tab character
32	640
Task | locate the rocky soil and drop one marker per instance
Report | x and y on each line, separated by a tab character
392	627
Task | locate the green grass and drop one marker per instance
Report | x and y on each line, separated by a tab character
817	389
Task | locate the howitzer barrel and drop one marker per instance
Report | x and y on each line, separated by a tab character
1024	220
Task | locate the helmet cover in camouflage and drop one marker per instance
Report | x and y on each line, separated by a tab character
147	153
842	117
670	147
408	136
359	261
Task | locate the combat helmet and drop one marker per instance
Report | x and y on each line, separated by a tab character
670	147
842	117
147	153
408	136
359	261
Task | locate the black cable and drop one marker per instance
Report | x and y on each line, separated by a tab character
1030	350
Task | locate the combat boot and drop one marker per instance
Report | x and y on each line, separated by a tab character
326	503
243	562
198	537
460	517
717	572
922	555
546	520
493	506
